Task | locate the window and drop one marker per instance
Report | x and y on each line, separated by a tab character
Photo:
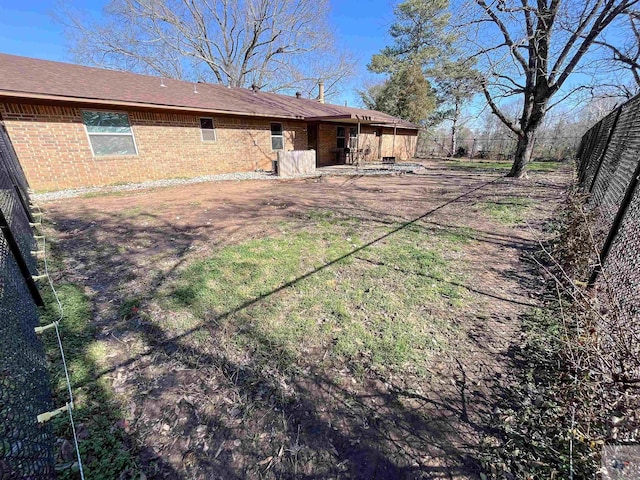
277	139
207	130
353	135
109	133
340	137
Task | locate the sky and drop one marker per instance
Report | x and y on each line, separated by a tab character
362	26
28	29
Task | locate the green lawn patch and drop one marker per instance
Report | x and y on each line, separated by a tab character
509	210
503	166
325	291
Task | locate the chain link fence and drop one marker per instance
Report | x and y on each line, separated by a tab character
26	446
608	170
481	147
547	147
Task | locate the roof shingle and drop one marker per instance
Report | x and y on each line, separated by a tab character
22	77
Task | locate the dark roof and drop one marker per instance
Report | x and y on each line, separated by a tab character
22	77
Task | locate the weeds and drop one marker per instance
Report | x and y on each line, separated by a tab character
575	354
535	431
104	446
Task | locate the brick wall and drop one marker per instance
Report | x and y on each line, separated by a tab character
326	144
54	150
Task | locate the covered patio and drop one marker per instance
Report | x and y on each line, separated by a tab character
356	139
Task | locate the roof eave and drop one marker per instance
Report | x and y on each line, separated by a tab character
13	95
353	118
402	126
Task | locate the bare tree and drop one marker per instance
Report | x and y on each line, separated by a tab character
531	49
624	53
274	44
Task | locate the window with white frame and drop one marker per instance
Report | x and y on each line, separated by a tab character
277	137
109	133
207	129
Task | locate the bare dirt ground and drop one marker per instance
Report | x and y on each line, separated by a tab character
193	414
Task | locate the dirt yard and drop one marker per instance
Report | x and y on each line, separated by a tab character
340	327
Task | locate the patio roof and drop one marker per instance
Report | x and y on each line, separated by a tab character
363	120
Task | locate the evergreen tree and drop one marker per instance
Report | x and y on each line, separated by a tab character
406	94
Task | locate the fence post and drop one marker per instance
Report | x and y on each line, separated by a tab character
613	232
606	148
17	255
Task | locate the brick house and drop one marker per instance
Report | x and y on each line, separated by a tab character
75	126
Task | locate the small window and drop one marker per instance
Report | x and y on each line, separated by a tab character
277	139
207	130
353	136
340	137
109	133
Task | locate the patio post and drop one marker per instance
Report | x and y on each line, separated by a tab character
358	143
393	148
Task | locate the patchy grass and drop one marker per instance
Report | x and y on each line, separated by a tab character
546	166
294	336
457	236
106	193
105	451
324	290
503	166
479	164
508	210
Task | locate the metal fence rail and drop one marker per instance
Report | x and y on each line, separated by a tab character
608	169
26	446
496	147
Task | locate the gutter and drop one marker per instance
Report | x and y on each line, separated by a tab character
22	96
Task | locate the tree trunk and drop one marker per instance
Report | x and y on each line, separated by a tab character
523	153
454	132
454	129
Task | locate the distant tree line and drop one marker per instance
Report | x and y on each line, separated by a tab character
488	138
544	54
